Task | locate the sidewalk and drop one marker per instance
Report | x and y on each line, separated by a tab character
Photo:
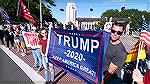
67	79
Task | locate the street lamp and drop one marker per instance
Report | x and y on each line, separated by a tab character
91	9
122	8
61	9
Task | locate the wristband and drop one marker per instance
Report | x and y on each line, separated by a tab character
107	76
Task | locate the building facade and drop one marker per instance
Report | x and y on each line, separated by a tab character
71	13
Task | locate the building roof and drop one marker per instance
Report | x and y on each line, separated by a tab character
90	19
102	19
121	19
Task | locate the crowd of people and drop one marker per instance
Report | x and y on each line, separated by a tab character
113	61
13	35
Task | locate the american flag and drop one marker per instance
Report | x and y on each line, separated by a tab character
145	33
5	15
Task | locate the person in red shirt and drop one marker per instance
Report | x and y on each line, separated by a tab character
43	44
43	41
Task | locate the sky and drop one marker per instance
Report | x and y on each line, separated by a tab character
98	6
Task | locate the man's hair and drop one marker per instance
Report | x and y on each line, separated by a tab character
120	25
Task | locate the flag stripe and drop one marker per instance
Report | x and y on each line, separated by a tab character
146	41
145	36
145	33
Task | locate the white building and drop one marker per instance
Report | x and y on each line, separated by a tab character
71	13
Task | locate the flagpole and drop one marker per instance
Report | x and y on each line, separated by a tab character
18	6
138	58
40	15
28	5
140	48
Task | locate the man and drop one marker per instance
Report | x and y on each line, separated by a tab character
115	56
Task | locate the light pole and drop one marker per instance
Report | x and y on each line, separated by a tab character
62	22
28	5
61	9
40	15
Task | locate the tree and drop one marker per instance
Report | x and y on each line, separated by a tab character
34	8
110	13
134	14
99	26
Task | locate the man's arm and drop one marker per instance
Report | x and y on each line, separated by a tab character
112	69
41	50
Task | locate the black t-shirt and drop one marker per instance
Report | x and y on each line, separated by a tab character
115	54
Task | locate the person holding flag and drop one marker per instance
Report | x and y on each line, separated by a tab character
47	66
144	38
140	52
36	52
115	56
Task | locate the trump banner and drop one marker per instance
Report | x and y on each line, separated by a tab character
79	53
31	39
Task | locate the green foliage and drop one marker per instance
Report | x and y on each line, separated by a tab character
33	6
134	14
111	13
99	26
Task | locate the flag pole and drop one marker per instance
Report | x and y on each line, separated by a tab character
40	15
138	58
18	7
139	50
28	5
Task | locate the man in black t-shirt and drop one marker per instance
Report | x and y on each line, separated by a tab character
115	56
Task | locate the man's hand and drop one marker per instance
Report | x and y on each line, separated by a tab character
102	82
112	68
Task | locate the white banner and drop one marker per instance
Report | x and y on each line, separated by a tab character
31	39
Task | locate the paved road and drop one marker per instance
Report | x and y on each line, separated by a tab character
10	73
128	42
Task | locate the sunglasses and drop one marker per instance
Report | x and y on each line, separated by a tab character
118	32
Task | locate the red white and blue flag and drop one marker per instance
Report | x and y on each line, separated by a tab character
145	33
